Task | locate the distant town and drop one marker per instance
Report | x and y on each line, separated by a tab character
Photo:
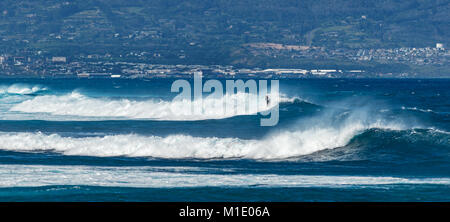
415	56
39	64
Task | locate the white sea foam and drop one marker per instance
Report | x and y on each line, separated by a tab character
278	145
21	89
418	109
44	175
77	104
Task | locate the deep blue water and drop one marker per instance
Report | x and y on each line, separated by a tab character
114	140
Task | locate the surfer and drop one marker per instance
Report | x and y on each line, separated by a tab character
267	100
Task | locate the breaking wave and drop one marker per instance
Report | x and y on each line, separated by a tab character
77	104
21	89
280	145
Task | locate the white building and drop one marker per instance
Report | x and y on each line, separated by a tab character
2	59
59	59
439	46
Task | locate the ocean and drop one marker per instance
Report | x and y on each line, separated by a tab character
115	140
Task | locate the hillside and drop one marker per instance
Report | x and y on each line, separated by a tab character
219	31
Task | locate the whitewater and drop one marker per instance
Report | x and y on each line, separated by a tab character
280	145
21	89
175	177
77	104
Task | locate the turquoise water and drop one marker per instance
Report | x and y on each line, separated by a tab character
115	140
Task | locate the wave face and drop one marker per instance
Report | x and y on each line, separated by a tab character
424	149
77	104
